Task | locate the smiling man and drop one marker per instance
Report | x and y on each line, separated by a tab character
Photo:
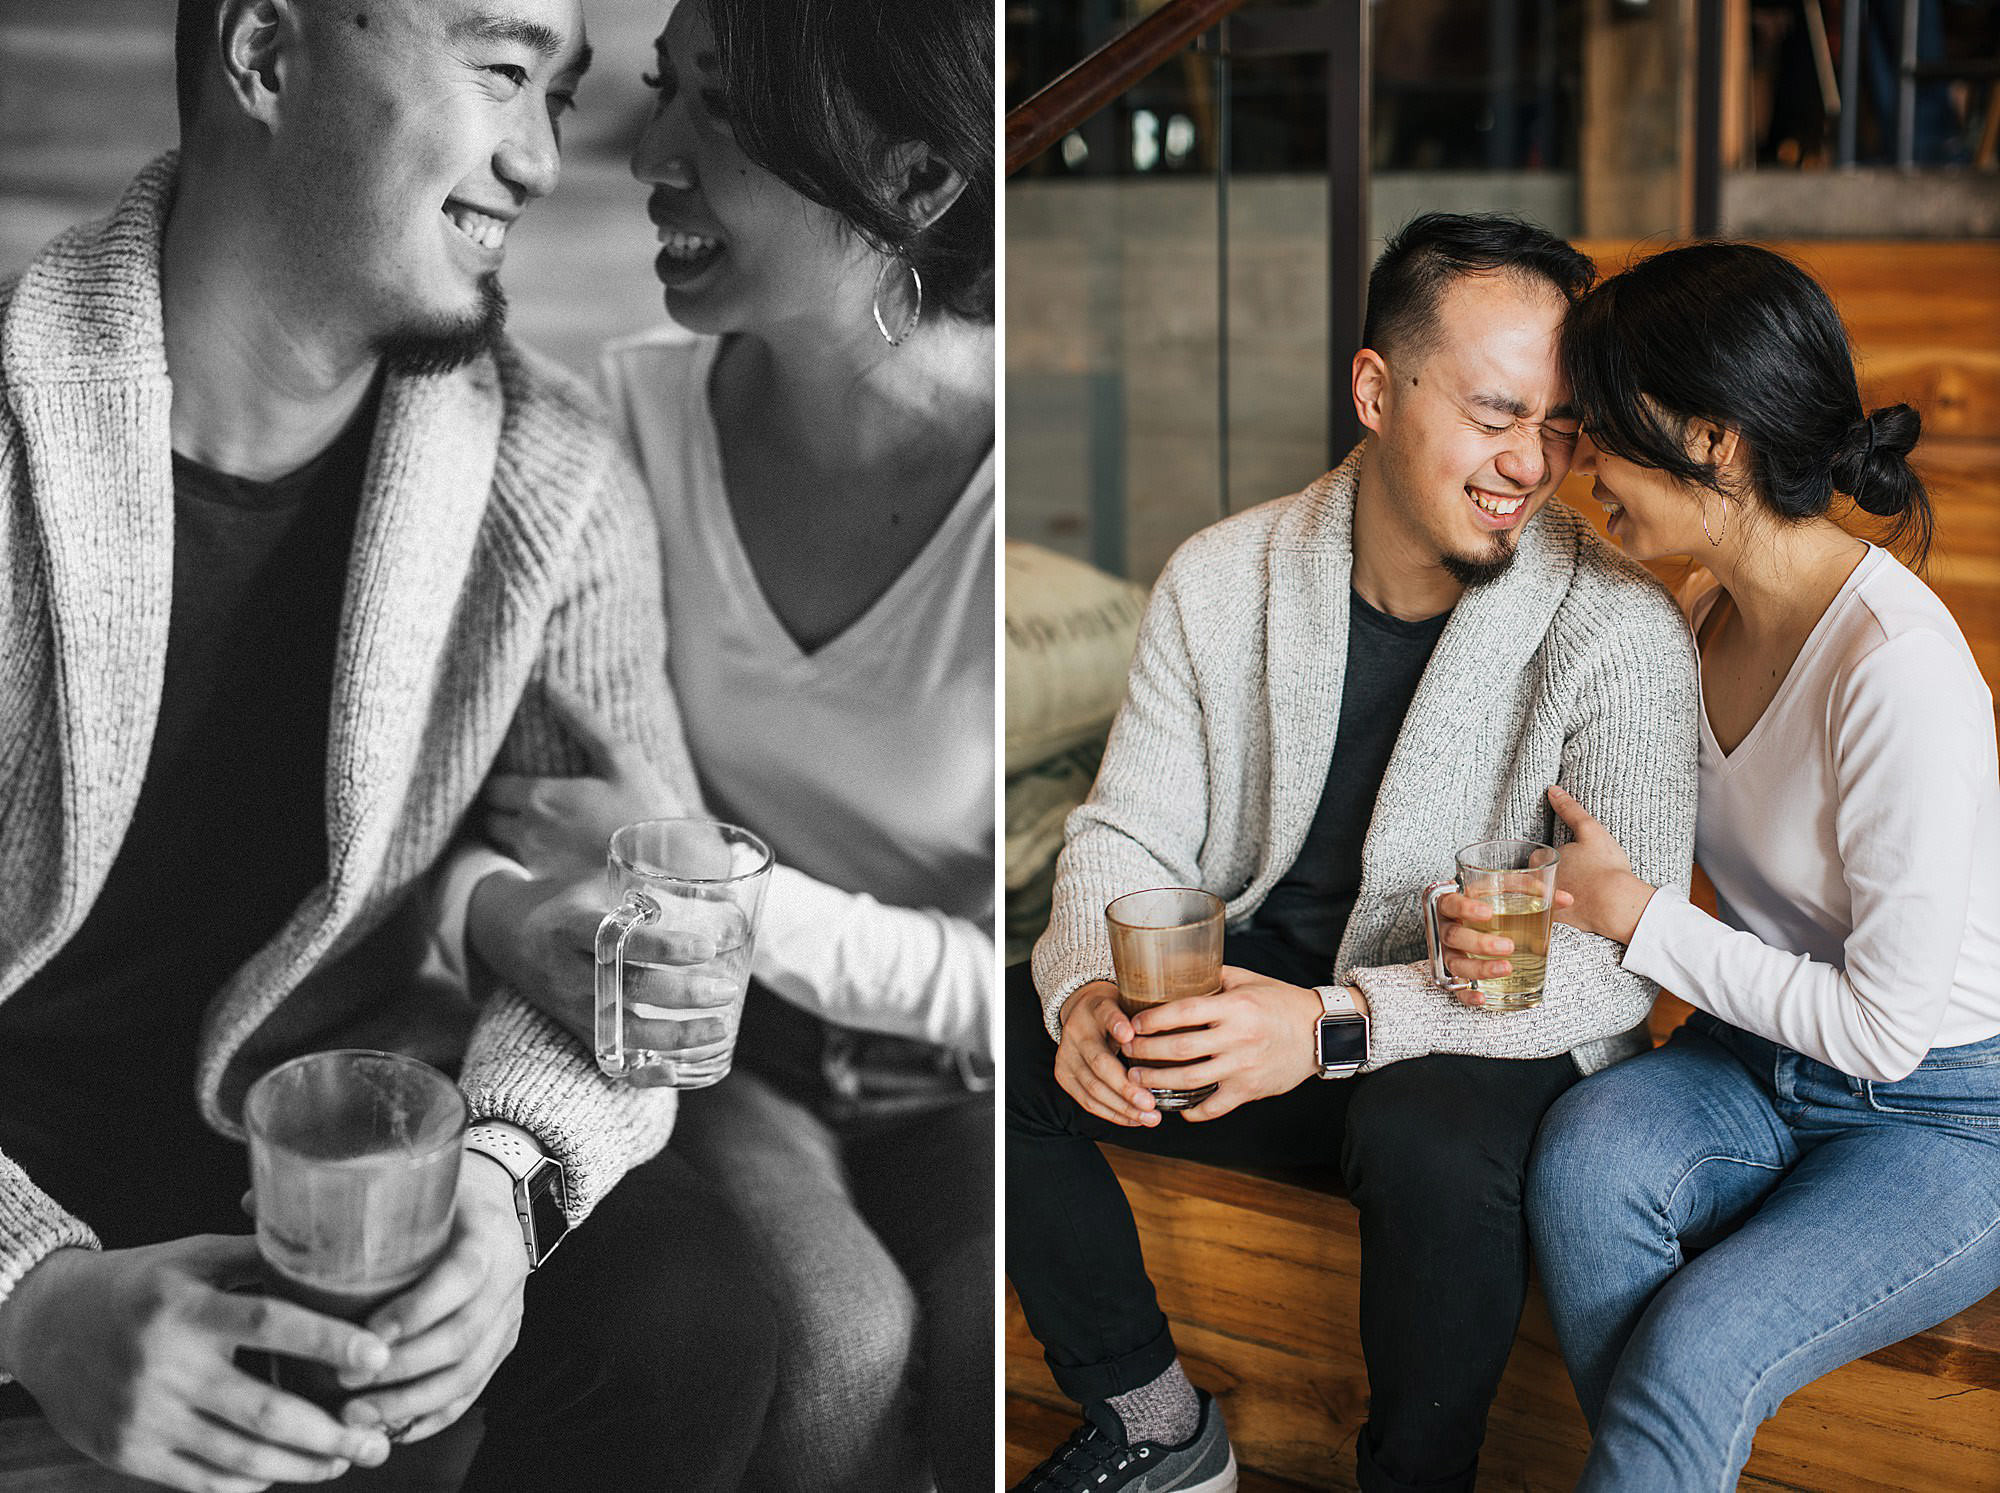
1331	694
294	541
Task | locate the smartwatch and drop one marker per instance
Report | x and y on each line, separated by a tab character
1341	1036
541	1196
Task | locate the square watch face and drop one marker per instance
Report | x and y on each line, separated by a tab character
1343	1041
545	1207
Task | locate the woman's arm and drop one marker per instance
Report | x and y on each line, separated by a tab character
1911	738
908	971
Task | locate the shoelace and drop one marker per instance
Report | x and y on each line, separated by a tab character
1087	1459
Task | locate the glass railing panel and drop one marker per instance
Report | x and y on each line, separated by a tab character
1113	438
1275	391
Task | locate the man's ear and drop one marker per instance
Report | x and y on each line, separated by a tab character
256	40
924	184
1371	378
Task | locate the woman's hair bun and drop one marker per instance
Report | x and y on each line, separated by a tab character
1872	465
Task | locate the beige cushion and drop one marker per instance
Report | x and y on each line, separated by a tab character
1070	632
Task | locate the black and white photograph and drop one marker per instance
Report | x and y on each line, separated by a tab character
498	518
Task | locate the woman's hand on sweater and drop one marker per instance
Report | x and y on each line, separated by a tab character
453	1328
1088	1067
1253	1039
131	1355
558	826
539	936
1606	898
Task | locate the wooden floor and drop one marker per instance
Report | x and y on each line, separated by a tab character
1259	1279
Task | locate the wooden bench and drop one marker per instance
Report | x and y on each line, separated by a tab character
1259	1277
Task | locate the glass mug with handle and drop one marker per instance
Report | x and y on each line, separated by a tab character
668	1006
1166	945
1517	880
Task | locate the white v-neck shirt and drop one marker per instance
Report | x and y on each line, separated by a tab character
868	763
1853	837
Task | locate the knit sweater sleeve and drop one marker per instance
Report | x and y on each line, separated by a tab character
606	640
33	1226
1629	757
1136	829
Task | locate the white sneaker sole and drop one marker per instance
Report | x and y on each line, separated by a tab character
1223	1482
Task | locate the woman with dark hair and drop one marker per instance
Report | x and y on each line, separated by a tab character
816	432
1809	1169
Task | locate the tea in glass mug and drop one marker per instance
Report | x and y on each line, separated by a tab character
1517	880
669	1005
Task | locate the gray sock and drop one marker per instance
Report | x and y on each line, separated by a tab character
1164	1410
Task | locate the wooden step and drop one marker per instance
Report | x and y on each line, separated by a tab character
1259	1279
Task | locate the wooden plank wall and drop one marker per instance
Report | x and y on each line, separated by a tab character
1925	322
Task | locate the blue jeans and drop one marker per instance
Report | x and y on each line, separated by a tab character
1723	1220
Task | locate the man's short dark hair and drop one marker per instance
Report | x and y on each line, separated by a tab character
1430	252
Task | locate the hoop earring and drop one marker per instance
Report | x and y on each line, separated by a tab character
916	310
1715	540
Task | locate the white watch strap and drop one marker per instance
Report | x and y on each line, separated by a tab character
1335	1001
510	1145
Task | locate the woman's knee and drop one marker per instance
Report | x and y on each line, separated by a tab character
1575	1162
848	1319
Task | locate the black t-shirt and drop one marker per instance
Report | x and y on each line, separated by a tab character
1299	926
98	1050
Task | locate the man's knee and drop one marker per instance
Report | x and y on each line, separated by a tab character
681	1313
1418	1138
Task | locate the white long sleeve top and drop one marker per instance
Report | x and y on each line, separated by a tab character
868	764
1854	841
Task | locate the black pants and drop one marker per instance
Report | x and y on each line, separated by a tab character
1432	1152
648	1351
648	1347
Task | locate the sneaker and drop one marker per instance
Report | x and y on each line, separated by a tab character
1097	1459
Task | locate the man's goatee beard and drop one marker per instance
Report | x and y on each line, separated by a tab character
449	342
1478	572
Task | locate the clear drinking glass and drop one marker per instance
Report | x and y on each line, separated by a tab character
354	1157
668	1005
1517	879
1166	945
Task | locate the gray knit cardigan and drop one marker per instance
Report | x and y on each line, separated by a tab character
1574	667
500	541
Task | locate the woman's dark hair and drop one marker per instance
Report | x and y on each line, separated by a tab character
818	89
194	40
1742	337
1429	252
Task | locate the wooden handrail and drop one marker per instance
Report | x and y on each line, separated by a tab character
1033	126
